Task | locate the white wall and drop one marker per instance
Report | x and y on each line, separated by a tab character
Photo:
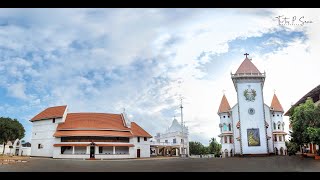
122	150
269	129
144	147
42	133
236	131
252	121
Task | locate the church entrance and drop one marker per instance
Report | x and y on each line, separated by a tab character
225	153
281	151
92	150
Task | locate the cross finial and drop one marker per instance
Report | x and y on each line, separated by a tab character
274	91
223	91
246	54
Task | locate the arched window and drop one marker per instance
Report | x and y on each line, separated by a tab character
275	137
229	127
231	140
231	153
276	151
225	139
280	138
279	126
225	153
274	125
225	127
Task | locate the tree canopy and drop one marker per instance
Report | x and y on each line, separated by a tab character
10	130
196	148
305	122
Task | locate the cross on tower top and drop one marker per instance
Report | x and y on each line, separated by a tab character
246	54
223	91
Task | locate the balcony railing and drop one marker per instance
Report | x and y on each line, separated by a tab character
248	75
166	143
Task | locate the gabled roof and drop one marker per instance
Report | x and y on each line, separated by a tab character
247	67
51	112
138	131
93	121
224	105
275	104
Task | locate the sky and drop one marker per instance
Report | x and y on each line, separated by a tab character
104	60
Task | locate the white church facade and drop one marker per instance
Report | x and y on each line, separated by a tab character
251	127
173	142
59	134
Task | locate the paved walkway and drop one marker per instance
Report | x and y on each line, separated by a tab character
247	164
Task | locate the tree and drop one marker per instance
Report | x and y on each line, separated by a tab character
305	122
196	148
292	147
10	130
214	147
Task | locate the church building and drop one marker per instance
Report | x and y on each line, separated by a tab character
251	127
59	134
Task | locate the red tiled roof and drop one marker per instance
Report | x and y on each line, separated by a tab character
92	133
59	145
224	105
247	67
91	121
139	131
275	104
51	112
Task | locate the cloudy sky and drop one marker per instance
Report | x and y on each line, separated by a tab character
104	60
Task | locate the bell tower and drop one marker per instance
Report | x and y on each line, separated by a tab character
248	82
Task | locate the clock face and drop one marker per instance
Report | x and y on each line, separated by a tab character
251	111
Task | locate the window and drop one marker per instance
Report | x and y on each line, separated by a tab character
174	140
279	126
225	139
274	126
231	139
138	139
229	127
273	115
100	150
280	138
53	120
275	138
166	141
145	139
40	146
181	140
224	116
278	115
228	116
225	127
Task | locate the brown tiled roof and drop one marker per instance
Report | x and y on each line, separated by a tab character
247	67
92	121
51	112
138	131
59	145
224	105
92	133
275	104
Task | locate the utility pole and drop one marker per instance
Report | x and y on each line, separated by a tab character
182	126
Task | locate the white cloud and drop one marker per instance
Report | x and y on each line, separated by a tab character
17	90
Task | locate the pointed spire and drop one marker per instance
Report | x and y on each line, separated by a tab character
247	67
224	105
275	104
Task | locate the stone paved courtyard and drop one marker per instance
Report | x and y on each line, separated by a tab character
235	164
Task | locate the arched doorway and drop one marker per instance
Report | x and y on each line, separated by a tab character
231	153
225	153
281	151
276	151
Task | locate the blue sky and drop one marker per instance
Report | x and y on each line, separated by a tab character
104	60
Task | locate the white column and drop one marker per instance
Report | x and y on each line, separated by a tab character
88	150
72	149
177	152
114	150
